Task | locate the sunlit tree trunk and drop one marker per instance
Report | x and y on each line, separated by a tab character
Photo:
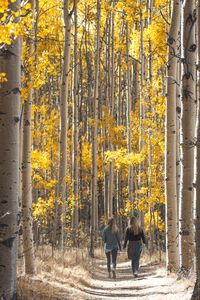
140	99
129	125
94	215
188	134
63	125
171	196
75	121
119	115
111	94
178	152
26	168
106	95
10	63
196	292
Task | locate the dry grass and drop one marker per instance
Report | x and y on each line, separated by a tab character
63	276
55	276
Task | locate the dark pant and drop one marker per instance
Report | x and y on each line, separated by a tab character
135	264
114	258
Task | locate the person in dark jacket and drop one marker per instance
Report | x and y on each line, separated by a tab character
111	238
134	237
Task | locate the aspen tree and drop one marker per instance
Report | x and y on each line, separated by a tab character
188	121
196	291
10	90
119	116
26	168
129	125
75	121
63	123
94	204
111	106
106	93
171	196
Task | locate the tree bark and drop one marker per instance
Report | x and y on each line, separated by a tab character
27	221
10	63
171	195
196	291
94	215
129	126
63	125
188	134
75	123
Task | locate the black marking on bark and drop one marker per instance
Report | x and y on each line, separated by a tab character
6	53
186	93
16	119
192	48
184	232
178	109
2	113
16	90
27	123
170	40
4	201
9	242
2	266
20	231
4	225
190	189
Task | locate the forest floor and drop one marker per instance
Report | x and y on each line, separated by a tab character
76	276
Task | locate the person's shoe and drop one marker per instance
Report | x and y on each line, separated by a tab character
109	274
136	274
114	273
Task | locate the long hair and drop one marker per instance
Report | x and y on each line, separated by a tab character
134	226
112	225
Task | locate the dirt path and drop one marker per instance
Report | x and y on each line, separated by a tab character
151	284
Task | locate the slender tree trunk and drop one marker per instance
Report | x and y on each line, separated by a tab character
118	179
10	63
188	134
111	94
94	215
75	122
129	126
171	196
26	169
196	291
61	192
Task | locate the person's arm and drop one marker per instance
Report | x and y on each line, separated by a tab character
118	239
143	237
126	238
104	236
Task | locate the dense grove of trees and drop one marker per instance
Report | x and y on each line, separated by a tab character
100	120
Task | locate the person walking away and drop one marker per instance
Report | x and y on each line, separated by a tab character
111	239
134	236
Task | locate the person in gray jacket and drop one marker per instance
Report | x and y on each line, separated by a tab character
111	239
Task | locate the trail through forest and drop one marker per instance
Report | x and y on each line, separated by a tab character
89	281
151	283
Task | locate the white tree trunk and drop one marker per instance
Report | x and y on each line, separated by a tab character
171	195
10	63
94	215
196	292
188	134
129	126
63	124
27	221
75	122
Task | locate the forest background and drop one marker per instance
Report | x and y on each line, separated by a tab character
93	135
